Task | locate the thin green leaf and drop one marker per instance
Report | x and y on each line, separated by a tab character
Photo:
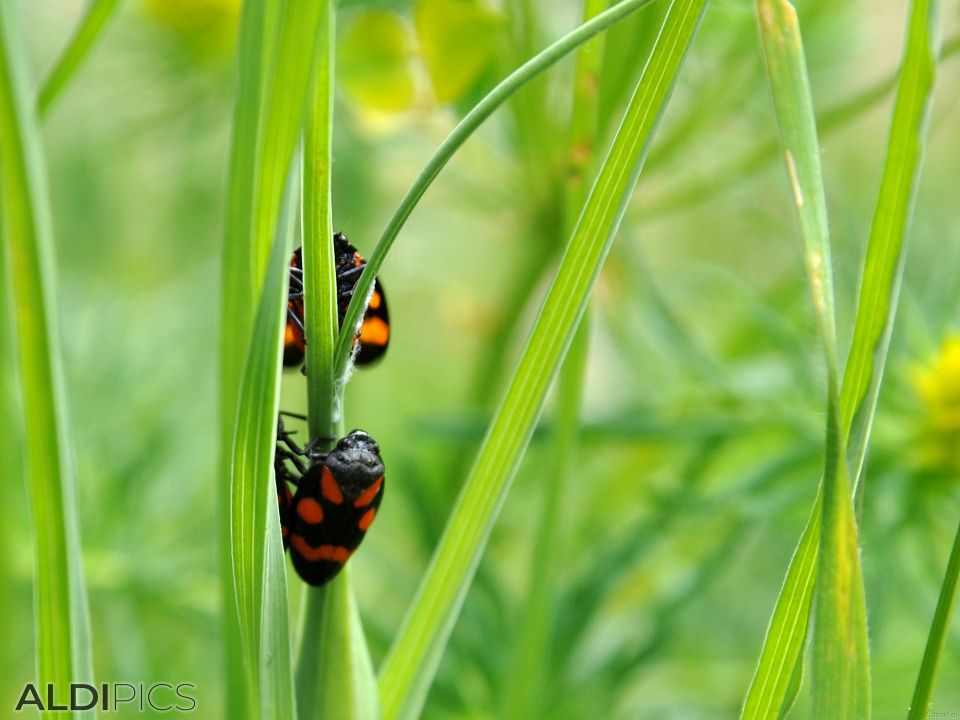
879	291
335	678
841	669
95	20
319	267
258	565
772	692
62	625
886	250
920	704
413	659
464	129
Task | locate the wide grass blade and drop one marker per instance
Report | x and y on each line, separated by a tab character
277	46
415	655
238	302
95	20
62	625
920	704
256	549
464	129
879	289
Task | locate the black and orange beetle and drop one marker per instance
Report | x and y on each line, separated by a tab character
374	334
337	497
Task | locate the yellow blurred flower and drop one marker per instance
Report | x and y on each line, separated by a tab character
208	26
938	386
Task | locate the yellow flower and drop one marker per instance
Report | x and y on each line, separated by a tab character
938	386
208	26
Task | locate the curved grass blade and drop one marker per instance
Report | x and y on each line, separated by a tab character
95	20
62	624
412	661
259	577
464	129
920	704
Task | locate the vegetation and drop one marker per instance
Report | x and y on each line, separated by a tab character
670	411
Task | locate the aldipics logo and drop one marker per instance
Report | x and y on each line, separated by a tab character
110	697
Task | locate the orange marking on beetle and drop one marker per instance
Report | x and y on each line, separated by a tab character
367	519
329	487
367	496
374	331
334	553
310	511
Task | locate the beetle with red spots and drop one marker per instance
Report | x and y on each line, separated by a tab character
337	497
374	333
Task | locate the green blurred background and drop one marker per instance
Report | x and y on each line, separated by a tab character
703	410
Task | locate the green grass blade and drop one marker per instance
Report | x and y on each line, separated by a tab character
771	691
920	704
277	46
95	20
254	48
413	659
319	271
256	549
464	129
841	666
335	678
783	646
62	625
883	265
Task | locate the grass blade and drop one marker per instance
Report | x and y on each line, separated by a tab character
841	665
413	659
256	549
883	265
335	678
879	289
238	302
920	704
277	46
95	20
464	129
62	624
